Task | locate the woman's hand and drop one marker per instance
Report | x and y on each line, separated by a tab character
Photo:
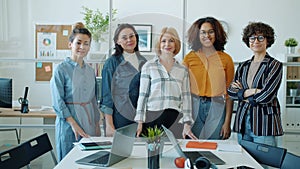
110	128
237	85
225	131
139	129
76	129
188	132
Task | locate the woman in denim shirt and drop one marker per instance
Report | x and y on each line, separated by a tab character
73	86
120	80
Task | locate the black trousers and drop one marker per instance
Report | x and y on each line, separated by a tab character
167	117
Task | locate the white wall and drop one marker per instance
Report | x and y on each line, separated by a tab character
17	32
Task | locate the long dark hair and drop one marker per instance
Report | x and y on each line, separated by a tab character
193	34
118	48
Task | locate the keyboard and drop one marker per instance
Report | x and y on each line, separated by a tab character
101	160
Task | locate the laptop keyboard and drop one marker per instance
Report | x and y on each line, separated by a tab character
101	160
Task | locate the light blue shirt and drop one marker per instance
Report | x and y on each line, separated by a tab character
72	85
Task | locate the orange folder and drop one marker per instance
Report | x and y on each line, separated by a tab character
203	145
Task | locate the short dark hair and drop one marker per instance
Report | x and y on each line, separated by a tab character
79	28
118	48
259	28
220	34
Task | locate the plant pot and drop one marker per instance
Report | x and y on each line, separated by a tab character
291	49
154	151
293	92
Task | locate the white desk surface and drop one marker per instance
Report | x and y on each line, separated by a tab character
138	158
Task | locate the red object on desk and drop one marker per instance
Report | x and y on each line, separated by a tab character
203	145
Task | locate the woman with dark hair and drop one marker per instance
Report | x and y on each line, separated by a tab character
211	72
120	80
73	87
255	86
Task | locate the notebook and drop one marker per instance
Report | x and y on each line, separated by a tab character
202	145
123	136
192	155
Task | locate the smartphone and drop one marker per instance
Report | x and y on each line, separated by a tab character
241	167
244	167
96	145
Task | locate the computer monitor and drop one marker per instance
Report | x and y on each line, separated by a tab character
5	92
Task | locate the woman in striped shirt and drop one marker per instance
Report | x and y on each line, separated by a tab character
255	86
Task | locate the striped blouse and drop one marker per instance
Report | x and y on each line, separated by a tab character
264	106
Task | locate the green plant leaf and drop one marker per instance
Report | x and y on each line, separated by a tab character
291	42
96	22
153	134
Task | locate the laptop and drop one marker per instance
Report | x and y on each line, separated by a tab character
192	155
121	149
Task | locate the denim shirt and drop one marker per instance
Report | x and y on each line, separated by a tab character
115	81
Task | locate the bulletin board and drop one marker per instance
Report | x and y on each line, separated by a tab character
62	34
50	42
43	71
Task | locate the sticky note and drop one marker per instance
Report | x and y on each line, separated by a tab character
39	65
47	68
65	32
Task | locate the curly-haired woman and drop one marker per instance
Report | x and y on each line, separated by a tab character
211	72
255	86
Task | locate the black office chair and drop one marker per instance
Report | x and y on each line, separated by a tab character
14	158
265	154
38	146
290	161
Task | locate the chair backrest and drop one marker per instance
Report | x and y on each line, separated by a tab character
290	161
38	146
265	154
14	158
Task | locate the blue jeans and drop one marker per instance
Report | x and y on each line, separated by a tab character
249	135
209	115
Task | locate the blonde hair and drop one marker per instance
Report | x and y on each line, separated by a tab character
172	31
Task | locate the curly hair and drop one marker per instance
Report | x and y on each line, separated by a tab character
254	28
193	34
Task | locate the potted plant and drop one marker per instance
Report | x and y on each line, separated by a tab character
293	88
97	23
291	43
154	146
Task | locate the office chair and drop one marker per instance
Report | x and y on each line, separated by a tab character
38	146
14	158
265	154
290	161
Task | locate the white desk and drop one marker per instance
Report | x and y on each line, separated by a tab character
48	119
138	159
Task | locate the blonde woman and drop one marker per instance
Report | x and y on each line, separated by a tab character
164	88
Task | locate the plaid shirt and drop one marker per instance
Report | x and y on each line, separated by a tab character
160	90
